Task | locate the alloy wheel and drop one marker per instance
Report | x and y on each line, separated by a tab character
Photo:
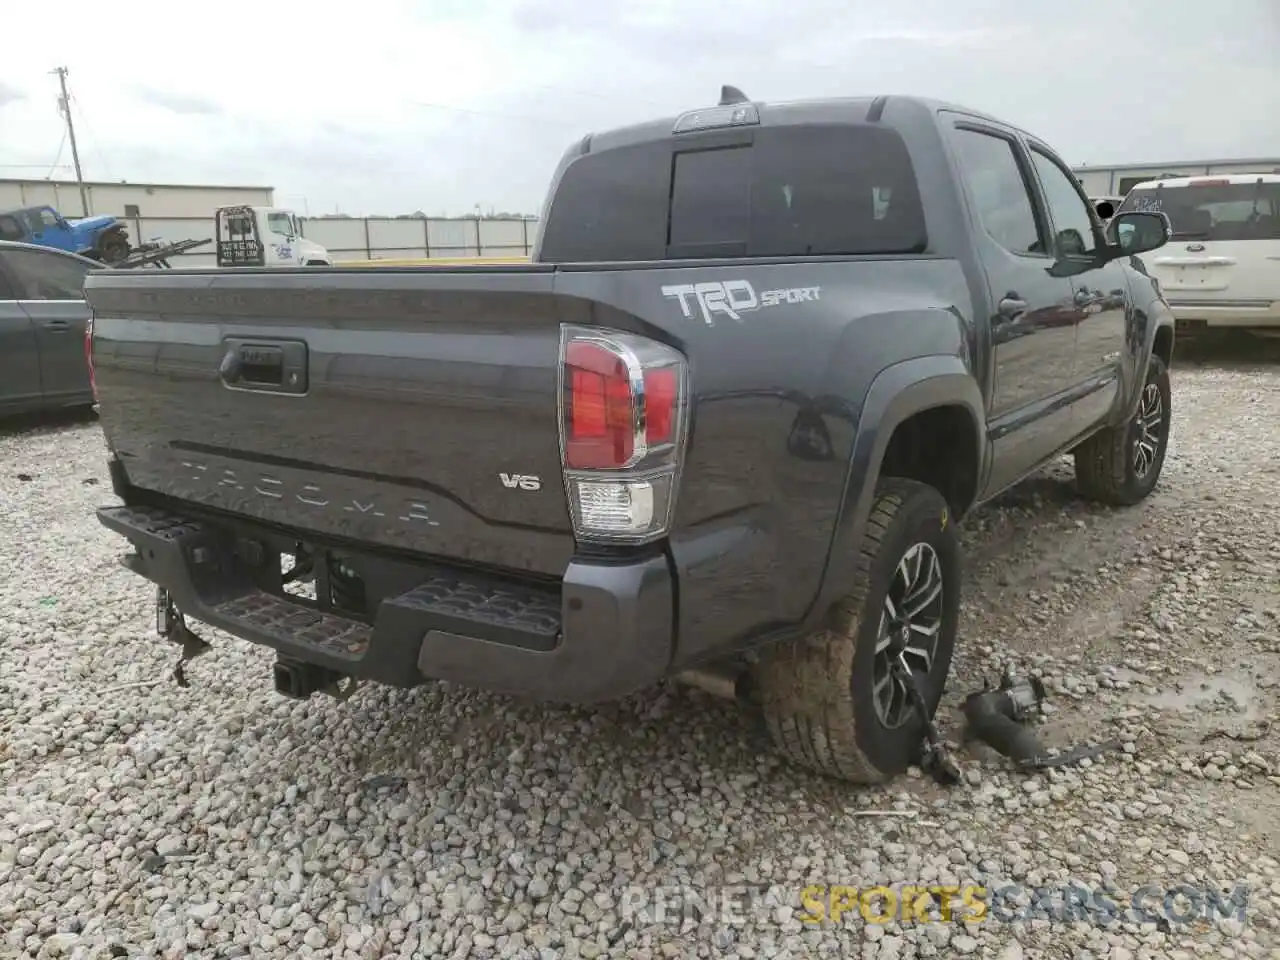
910	623
1149	425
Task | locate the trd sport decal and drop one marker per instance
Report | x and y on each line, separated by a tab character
732	298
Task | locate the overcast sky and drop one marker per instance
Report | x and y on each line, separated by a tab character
391	106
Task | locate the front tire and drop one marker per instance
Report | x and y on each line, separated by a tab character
829	701
1121	465
113	248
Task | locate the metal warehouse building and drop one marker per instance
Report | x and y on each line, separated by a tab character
130	200
1118	181
163	212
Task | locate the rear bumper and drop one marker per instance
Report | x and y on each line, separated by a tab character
1224	313
607	632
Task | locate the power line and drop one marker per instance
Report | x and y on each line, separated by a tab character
54	166
97	142
492	113
598	96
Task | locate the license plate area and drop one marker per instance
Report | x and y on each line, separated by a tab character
264	366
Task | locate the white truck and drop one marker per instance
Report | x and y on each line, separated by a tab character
264	237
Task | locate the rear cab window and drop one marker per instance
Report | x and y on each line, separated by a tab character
789	190
1213	209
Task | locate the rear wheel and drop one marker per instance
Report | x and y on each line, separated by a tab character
830	700
1121	465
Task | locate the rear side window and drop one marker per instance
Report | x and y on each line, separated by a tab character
1214	210
791	191
47	276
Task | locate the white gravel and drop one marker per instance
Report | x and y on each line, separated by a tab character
139	819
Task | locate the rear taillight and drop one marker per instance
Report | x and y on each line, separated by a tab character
623	415
88	356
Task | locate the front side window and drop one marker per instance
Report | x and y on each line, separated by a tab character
47	276
1070	212
280	223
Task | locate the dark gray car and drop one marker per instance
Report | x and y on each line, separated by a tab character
43	316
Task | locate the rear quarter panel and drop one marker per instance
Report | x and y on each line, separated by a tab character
779	394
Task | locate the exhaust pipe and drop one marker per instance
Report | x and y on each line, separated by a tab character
728	682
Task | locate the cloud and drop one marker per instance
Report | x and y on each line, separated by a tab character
10	94
179	103
407	106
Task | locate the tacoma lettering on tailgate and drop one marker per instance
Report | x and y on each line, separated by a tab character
270	488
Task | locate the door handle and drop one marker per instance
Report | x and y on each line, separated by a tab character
1011	307
57	326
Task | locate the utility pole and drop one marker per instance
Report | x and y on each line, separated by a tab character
64	103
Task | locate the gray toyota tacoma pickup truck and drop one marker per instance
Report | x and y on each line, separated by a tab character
721	427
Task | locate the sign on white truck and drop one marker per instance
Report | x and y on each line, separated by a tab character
264	237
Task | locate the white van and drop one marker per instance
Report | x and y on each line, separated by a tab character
1221	268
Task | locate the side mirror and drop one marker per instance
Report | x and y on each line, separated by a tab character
1133	233
1105	210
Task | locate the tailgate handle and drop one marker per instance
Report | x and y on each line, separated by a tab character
261	365
272	367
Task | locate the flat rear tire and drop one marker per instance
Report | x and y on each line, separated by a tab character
829	700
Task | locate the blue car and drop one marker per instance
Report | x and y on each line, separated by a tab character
100	238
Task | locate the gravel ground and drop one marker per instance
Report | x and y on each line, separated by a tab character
139	819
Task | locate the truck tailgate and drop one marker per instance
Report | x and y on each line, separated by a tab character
361	405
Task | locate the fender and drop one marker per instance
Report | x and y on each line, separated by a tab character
1155	317
897	392
1150	314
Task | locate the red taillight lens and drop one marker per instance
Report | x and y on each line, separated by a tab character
599	408
88	357
622	432
661	391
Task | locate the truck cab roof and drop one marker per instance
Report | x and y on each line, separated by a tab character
824	110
